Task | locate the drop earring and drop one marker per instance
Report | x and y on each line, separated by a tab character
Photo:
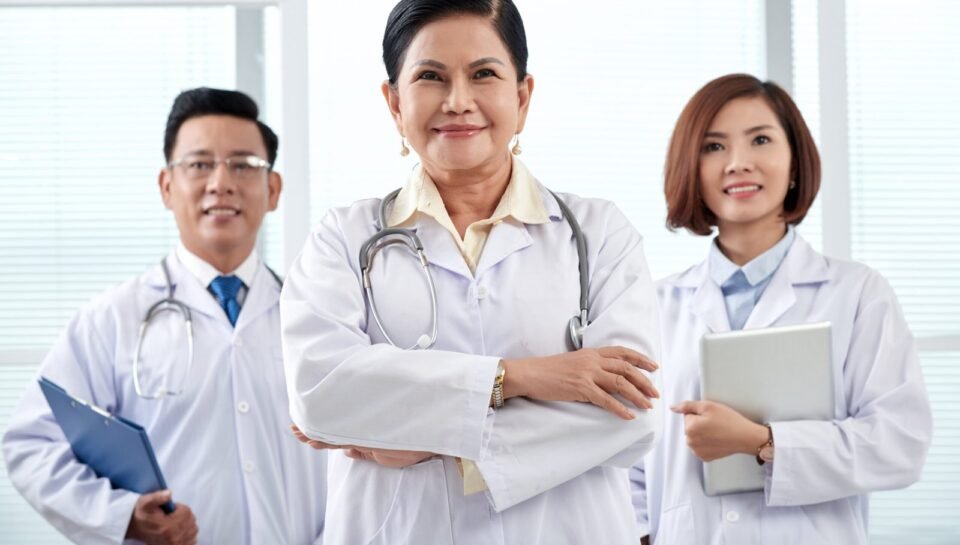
516	149
793	184
404	150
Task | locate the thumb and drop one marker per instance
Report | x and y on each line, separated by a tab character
688	407
154	500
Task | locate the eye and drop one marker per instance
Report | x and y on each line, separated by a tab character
200	165
710	147
429	75
761	139
484	73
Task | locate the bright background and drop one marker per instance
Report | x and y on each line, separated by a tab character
85	88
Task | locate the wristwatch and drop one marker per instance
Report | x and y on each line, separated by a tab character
765	451
496	398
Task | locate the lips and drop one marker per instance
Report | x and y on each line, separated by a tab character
221	211
458	130
742	189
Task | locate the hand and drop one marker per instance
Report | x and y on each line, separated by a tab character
590	375
151	525
716	431
388	458
385	457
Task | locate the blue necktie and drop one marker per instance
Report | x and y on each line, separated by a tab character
226	288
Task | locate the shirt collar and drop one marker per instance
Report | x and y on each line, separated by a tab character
758	269
521	200
205	272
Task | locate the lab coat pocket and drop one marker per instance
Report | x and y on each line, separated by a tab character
420	512
677	526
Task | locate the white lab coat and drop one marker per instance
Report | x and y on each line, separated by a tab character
224	444
557	472
816	488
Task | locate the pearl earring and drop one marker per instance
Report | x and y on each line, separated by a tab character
516	149
404	150
793	184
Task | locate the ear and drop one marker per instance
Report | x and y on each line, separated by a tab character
524	92
392	97
163	183
274	185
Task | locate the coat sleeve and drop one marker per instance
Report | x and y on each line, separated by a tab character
339	383
883	442
39	460
535	446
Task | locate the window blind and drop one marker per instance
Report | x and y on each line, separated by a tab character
903	62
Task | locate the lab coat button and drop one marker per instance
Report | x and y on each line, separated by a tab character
733	516
248	467
243	407
238	343
482	292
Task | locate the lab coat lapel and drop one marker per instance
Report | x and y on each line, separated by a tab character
440	248
263	295
801	265
707	302
186	288
505	238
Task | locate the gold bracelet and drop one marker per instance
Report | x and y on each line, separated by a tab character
496	398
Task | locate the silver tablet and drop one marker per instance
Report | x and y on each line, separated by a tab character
768	375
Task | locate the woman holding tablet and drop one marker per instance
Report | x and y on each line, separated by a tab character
742	160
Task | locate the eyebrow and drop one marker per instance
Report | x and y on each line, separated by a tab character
474	64
233	153
751	130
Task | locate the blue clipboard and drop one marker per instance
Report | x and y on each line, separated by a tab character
112	446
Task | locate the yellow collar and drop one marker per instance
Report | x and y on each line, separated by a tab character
522	199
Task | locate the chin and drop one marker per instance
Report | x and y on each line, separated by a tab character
462	159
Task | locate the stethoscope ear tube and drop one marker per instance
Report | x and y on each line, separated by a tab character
369	249
386	236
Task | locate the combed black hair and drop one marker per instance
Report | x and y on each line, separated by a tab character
206	101
409	16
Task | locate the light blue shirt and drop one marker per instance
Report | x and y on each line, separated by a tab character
743	286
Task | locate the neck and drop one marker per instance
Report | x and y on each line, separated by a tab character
743	243
225	260
472	195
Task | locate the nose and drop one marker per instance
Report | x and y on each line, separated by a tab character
460	98
220	180
740	160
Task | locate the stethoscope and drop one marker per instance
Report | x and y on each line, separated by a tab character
172	304
395	235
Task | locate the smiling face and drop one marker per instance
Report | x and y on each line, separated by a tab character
745	164
457	99
219	214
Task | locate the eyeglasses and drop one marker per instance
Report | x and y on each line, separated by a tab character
200	167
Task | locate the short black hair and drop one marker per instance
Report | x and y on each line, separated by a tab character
206	101
409	16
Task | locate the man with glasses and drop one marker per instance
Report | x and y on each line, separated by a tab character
217	414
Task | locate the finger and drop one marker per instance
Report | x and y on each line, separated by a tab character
618	384
634	375
190	536
153	500
630	356
688	407
607	402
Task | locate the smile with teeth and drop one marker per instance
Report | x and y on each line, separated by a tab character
741	189
222	212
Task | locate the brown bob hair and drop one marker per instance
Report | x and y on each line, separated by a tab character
685	205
